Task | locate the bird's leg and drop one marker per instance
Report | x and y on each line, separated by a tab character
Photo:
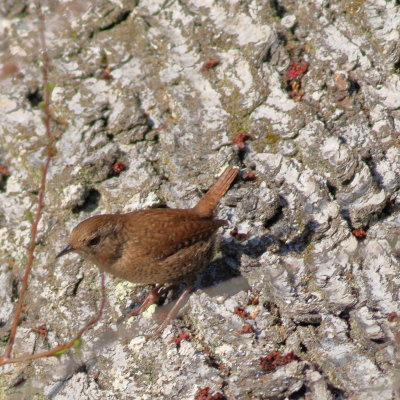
151	298
173	312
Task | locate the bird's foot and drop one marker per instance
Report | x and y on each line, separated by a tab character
154	295
172	313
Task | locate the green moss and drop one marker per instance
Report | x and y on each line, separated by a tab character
354	8
239	119
308	254
28	215
271	139
236	125
354	13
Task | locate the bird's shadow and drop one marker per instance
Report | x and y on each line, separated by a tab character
223	277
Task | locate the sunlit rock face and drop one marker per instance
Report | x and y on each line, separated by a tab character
149	101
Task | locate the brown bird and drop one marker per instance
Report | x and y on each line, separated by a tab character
154	246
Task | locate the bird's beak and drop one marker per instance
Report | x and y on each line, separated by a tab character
67	250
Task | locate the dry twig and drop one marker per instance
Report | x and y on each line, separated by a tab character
6	357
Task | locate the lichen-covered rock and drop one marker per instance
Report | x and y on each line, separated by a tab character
149	101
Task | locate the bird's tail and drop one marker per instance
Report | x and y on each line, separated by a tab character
209	201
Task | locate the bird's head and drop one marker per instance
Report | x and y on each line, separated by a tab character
95	239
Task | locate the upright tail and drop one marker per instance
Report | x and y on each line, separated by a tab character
209	201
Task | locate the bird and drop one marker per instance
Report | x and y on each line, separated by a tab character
154	246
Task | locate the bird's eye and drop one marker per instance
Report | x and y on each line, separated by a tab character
94	241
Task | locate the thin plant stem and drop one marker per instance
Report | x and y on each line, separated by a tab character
38	215
58	350
6	357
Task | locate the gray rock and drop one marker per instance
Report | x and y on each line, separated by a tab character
147	98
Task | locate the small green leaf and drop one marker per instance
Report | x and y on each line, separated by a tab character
78	343
50	87
28	215
59	352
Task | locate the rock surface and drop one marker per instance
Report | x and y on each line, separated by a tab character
150	100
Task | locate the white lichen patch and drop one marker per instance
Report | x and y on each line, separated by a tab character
122	291
163	88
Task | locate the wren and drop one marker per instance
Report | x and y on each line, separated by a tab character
154	246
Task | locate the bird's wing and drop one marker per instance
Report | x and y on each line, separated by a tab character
160	233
